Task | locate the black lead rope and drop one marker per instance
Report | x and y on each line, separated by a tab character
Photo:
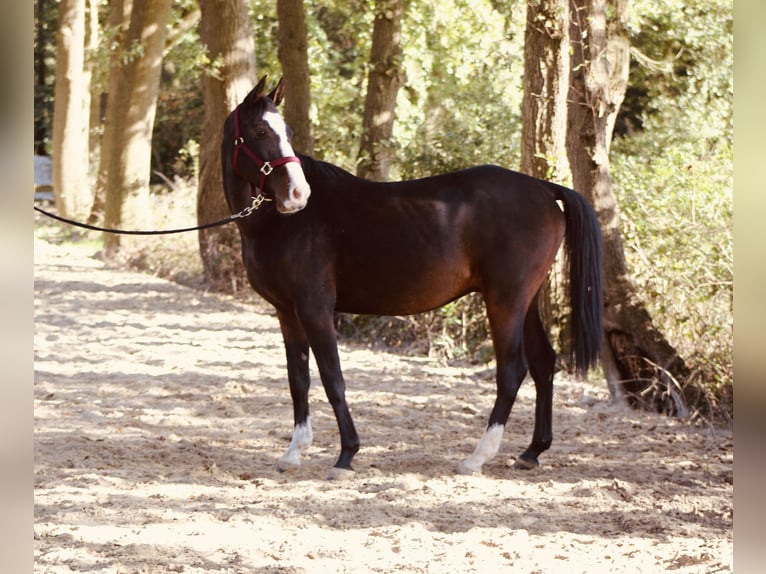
257	201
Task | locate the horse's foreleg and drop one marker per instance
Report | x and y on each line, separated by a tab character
297	350
320	330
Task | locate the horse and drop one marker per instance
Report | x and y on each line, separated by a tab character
321	241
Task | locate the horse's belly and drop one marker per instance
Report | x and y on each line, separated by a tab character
402	293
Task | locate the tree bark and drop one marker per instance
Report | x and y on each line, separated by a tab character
134	80
226	32
640	365
385	78
543	130
41	59
92	39
293	55
119	22
71	113
546	82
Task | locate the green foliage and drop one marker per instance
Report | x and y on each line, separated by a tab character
459	330
340	35
461	104
674	180
46	17
180	110
677	215
681	70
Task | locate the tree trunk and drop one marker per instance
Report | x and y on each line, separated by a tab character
133	89
640	365
383	82
71	112
546	82
293	55
119	22
41	59
92	39
543	130
226	32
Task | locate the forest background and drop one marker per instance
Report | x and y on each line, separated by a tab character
460	104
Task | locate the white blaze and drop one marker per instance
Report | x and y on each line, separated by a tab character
299	191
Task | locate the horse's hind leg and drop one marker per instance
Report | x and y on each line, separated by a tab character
542	360
507	327
297	350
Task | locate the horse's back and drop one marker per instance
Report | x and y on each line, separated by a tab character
407	247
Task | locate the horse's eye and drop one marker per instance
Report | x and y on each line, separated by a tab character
260	133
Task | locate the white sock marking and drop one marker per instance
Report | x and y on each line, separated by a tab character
302	437
488	446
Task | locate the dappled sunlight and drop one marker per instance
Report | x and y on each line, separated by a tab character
160	412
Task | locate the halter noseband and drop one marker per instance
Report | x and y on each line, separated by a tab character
265	167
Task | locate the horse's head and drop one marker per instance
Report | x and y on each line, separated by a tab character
262	152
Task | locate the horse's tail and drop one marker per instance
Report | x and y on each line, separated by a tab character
583	246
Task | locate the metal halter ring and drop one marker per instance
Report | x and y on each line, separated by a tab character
266	168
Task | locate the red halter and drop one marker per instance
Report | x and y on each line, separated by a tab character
265	167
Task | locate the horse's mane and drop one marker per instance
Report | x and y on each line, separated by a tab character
318	168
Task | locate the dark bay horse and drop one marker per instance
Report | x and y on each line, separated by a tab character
327	241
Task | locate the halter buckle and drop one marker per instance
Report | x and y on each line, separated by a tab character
266	168
238	141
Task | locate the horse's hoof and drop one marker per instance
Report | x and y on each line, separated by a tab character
524	464
466	470
286	466
340	473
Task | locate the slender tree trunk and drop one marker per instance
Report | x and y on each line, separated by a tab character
92	38
543	130
41	58
226	32
71	112
383	82
293	55
434	111
546	83
639	363
133	89
119	22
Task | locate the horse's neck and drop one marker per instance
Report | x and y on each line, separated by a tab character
316	167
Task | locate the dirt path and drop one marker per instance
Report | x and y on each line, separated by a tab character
160	412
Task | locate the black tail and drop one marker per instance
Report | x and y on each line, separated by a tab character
583	256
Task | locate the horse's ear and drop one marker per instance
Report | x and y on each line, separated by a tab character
278	93
256	92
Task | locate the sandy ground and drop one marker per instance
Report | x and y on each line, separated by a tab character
160	412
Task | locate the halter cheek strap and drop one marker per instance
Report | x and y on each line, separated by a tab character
265	167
